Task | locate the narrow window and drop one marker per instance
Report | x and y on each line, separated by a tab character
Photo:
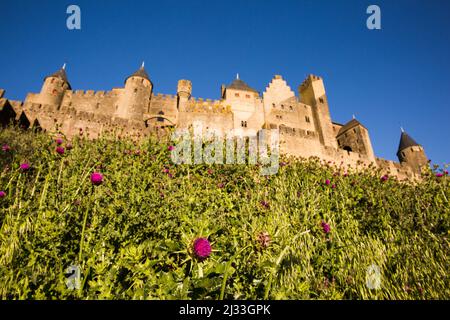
236	94
307	119
160	119
135	90
273	105
247	96
290	107
321	100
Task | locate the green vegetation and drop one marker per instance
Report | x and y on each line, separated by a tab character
132	234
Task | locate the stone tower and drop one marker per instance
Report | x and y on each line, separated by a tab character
54	86
312	92
135	98
354	137
184	91
411	153
245	103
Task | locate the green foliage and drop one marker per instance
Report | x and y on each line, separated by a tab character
132	236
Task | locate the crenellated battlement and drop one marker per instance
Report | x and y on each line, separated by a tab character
309	80
163	96
200	105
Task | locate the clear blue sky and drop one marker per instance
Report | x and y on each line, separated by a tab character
399	75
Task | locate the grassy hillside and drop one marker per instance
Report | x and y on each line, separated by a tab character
287	236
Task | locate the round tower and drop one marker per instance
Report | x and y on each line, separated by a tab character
54	86
136	96
184	91
411	153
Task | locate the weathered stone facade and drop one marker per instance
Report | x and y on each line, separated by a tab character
304	121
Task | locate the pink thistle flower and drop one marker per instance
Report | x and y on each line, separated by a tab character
327	182
263	239
165	170
59	141
60	150
439	175
333	186
170	175
221	185
2	194
170	148
265	204
69	146
25	166
6	148
202	248
96	178
446	172
385	177
325	227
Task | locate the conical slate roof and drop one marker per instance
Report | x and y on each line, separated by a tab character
405	142
238	84
140	73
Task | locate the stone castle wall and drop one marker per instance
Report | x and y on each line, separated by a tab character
305	125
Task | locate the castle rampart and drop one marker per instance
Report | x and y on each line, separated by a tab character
304	122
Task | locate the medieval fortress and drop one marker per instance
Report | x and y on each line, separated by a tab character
304	122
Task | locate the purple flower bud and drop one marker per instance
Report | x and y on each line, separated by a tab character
265	204
59	141
2	194
96	178
6	148
60	150
170	148
69	146
325	227
202	248
25	166
327	182
385	177
439	175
